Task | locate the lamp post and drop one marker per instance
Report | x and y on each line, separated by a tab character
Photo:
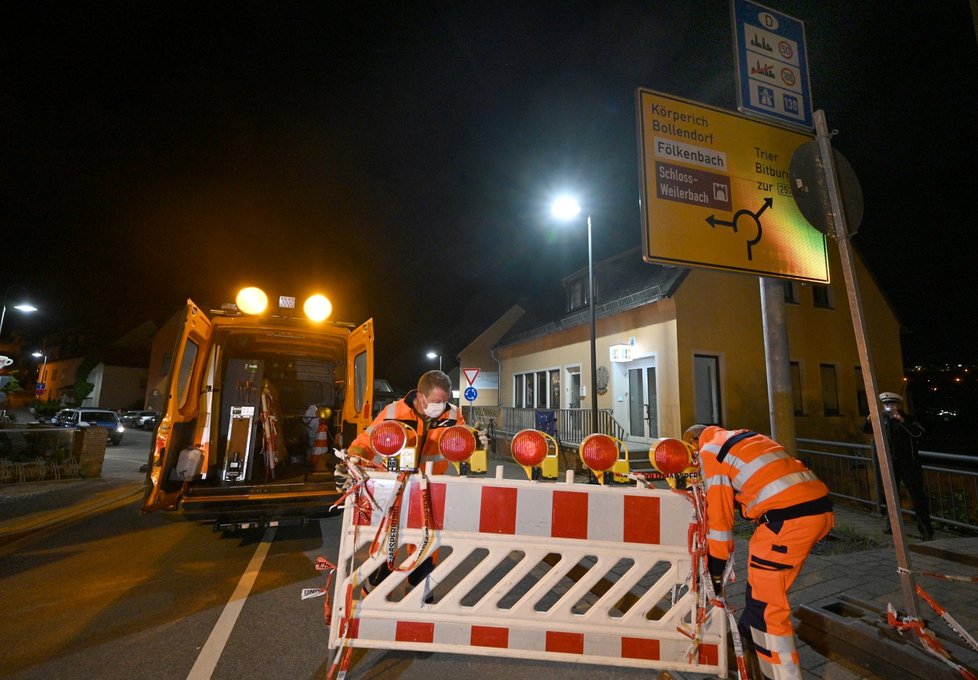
565	208
435	355
23	306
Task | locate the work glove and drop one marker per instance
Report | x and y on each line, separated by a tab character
482	435
342	478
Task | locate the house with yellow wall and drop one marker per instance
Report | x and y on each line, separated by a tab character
677	346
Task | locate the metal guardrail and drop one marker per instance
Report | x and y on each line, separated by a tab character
849	469
851	473
571	425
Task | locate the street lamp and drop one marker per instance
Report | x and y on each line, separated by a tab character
565	208
23	306
435	355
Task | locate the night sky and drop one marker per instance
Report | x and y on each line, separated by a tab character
401	159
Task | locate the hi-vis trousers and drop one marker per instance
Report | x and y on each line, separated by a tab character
777	552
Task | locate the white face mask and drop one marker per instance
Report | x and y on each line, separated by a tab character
434	409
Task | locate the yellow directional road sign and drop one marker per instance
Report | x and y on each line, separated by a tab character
715	192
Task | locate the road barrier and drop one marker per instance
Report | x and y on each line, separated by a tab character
553	571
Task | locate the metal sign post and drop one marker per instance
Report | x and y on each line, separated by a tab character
866	363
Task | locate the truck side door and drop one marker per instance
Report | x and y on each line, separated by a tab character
180	407
359	386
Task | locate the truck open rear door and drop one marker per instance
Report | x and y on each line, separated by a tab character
359	385
180	408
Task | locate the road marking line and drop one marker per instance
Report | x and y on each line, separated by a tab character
210	653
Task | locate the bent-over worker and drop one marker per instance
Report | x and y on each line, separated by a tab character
793	512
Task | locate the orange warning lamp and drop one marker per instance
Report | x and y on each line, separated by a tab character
392	438
457	443
530	449
599	453
671	456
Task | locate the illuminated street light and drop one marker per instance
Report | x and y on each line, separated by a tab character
22	306
435	355
565	208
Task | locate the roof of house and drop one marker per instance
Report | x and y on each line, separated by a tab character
624	281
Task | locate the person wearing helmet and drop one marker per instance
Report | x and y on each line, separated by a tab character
902	433
793	512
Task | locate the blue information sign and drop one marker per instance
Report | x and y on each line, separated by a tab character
470	394
772	64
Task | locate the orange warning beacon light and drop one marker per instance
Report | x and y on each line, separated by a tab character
599	453
392	438
530	448
456	445
671	456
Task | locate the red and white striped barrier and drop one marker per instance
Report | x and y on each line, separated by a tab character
564	572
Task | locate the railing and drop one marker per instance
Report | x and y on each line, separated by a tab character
571	425
850	472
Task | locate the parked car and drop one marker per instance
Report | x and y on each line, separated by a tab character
92	417
385	394
134	418
148	421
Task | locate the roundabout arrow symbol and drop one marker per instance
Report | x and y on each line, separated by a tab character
713	222
756	216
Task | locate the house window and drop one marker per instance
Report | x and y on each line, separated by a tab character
830	390
706	388
822	297
790	291
541	389
576	294
862	404
538	389
796	398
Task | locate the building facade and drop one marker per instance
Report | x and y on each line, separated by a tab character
677	346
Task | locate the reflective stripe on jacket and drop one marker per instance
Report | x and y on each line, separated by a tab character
755	471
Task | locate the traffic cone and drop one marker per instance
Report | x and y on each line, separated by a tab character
320	447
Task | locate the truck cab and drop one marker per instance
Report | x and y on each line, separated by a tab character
246	394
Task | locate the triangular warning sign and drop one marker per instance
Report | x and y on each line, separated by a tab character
471	374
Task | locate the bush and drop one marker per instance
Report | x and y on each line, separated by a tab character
45	409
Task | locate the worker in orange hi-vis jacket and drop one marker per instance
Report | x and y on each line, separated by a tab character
793	512
428	411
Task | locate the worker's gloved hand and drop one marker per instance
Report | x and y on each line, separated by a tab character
358	452
483	439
